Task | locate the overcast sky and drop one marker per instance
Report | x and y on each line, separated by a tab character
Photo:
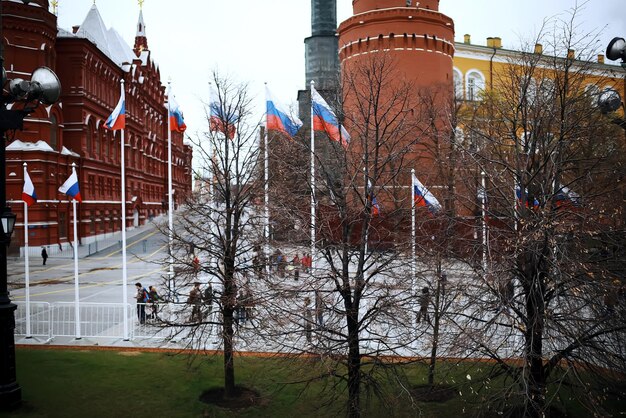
257	41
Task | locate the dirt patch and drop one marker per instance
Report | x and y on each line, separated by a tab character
129	353
243	398
434	393
101	269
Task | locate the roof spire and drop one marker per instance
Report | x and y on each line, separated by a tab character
141	42
55	6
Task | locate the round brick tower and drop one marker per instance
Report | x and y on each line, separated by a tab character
420	38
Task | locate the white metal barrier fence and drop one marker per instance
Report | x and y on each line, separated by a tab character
40	320
105	320
96	319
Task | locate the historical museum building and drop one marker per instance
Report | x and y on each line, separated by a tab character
90	60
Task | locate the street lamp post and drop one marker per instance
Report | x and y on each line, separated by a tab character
609	103
43	87
10	391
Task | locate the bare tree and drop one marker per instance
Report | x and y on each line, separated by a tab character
553	166
353	310
217	232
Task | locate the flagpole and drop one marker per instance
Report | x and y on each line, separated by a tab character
413	237
313	255
483	199
483	207
368	197
169	189
123	199
76	289
26	264
212	260
267	200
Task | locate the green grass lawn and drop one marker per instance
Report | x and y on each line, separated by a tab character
84	383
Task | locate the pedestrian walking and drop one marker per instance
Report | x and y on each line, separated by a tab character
195	300
424	301
154	298
257	264
196	265
142	297
295	262
44	255
307	262
281	264
207	299
274	261
308	319
319	309
506	290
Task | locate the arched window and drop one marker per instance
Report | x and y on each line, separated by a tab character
475	84
457	76
592	91
88	140
546	90
54	129
97	141
114	146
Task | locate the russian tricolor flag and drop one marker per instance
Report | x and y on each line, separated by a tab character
117	120
177	123
279	118
70	187
423	198
370	194
28	193
220	118
565	197
324	119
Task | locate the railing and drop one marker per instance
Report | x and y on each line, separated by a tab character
165	321
96	319
40	320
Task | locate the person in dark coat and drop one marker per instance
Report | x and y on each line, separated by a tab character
142	297
424	301
44	255
154	298
195	300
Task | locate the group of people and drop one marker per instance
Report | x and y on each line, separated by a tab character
145	298
201	302
281	264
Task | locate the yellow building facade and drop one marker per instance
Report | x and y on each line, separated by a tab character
478	68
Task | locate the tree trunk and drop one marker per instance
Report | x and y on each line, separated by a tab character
436	315
534	401
354	367
229	365
228	302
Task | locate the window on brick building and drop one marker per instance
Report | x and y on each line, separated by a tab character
113	149
92	185
54	127
88	140
97	141
62	225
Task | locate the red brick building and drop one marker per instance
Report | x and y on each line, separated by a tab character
416	42
90	61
